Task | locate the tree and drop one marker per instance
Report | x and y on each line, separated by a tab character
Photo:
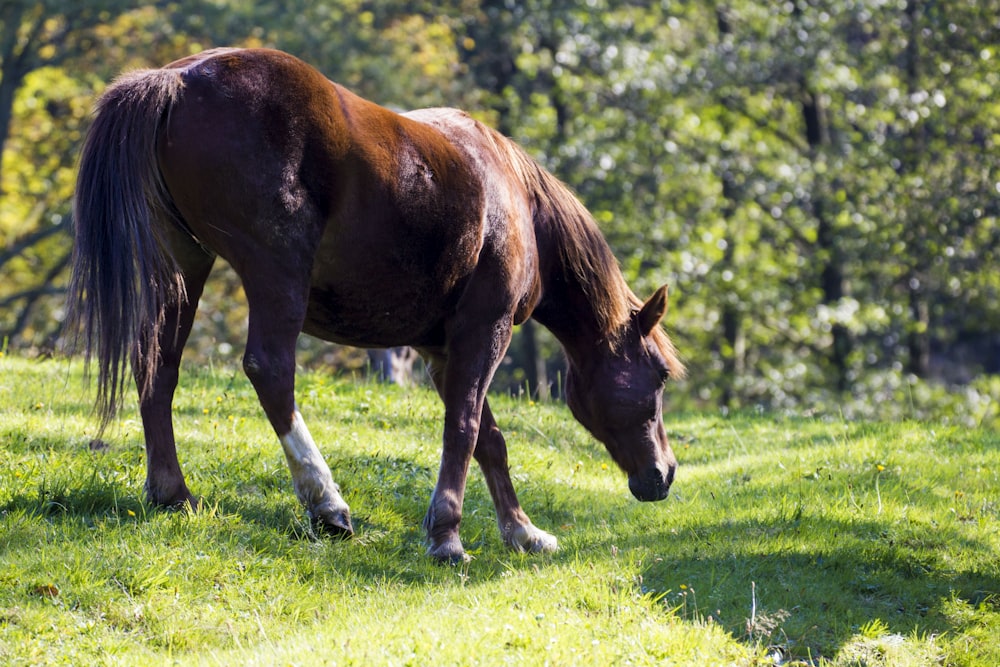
53	59
816	180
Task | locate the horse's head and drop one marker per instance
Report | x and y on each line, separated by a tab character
616	393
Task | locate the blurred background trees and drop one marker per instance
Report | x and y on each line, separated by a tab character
818	181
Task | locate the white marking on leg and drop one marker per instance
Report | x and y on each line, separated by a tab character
311	476
531	539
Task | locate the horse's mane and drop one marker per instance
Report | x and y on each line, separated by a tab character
584	255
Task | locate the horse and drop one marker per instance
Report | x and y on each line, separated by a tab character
360	226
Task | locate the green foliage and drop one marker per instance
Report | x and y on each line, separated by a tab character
51	111
799	541
816	180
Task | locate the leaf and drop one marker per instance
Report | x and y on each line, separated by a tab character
46	590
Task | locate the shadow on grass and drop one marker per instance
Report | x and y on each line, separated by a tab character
258	510
90	500
808	584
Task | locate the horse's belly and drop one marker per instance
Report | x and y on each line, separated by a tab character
366	321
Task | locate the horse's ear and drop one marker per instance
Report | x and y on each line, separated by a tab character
653	311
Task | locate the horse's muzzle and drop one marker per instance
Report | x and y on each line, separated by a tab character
651	485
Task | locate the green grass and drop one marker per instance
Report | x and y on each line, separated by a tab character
785	541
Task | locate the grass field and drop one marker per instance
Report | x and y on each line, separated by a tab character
785	541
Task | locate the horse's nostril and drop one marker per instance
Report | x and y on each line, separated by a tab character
651	485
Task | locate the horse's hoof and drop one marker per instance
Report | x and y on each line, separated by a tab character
449	553
451	559
529	539
191	504
180	499
335	523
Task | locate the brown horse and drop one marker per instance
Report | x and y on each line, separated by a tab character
360	226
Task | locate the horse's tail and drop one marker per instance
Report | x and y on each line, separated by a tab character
123	277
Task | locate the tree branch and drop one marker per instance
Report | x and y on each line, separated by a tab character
31	238
33	295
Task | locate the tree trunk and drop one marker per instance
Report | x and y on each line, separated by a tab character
832	278
535	369
919	342
732	329
918	331
10	80
733	348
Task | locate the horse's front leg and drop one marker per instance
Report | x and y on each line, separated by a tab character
461	376
490	452
515	527
269	362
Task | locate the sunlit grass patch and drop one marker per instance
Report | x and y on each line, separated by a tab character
788	541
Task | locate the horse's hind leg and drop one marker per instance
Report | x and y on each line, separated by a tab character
277	311
164	480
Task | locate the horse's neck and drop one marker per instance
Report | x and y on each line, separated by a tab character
563	311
